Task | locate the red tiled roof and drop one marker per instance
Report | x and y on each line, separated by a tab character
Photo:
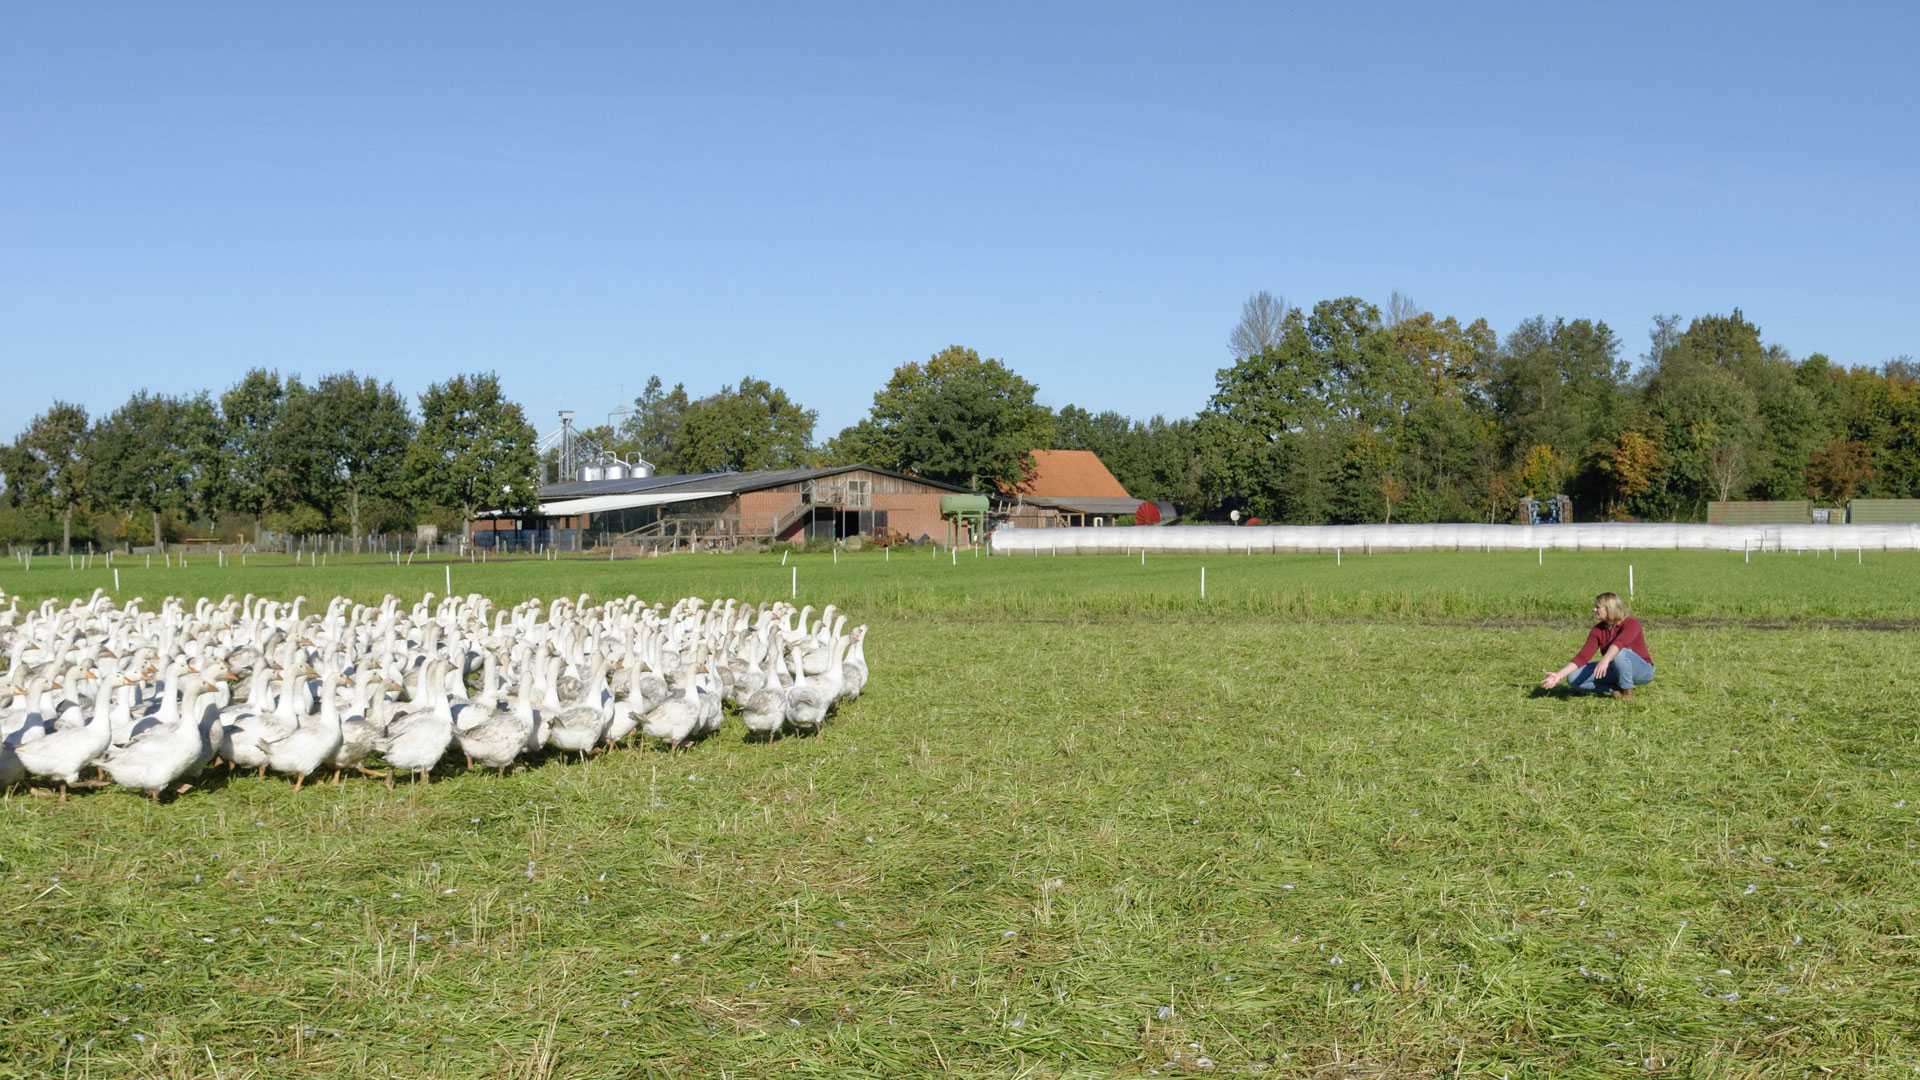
1071	473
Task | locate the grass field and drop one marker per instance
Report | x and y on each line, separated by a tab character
1081	823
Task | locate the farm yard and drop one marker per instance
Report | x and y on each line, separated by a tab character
1081	822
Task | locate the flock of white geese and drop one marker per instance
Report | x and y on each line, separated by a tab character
151	699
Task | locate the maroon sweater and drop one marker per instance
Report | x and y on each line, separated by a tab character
1603	637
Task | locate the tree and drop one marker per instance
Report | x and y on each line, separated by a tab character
250	413
1401	308
756	426
1253	432
1838	470
156	454
1263	320
474	449
1727	465
1542	472
345	442
1631	464
1559	383
52	465
1702	396
863	442
958	419
654	427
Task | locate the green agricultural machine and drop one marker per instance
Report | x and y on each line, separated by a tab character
961	511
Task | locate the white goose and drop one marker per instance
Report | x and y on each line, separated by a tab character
418	740
161	757
61	755
313	742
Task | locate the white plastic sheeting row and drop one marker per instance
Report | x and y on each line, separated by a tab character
1596	536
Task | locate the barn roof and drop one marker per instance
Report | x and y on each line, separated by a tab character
591	496
1070	474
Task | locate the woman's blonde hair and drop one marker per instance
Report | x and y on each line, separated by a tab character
1612	608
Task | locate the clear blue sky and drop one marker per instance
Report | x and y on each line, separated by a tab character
580	195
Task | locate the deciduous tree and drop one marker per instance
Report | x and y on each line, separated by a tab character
752	426
474	449
345	441
956	418
157	454
52	465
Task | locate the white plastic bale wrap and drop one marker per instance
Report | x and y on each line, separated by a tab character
1595	536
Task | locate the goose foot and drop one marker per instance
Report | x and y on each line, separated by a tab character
299	780
364	771
183	789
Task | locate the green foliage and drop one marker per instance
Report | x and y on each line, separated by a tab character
474	449
1542	473
50	468
654	428
251	429
956	418
344	442
158	453
753	426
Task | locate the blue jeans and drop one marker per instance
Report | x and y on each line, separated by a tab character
1628	670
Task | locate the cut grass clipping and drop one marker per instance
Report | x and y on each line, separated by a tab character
1079	824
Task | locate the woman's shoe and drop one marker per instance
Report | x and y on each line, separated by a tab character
1624	695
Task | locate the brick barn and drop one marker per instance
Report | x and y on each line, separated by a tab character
722	510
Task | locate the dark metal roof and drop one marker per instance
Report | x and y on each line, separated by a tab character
768	478
733	482
578	489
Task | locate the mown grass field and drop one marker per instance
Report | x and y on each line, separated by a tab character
1082	823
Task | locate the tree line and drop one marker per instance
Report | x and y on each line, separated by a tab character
1344	412
346	454
1349	412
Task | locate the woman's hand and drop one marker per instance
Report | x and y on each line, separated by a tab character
1552	680
1600	671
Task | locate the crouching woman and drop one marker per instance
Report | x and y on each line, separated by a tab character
1615	658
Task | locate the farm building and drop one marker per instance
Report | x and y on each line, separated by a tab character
722	509
1068	487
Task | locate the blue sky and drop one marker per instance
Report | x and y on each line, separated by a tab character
580	196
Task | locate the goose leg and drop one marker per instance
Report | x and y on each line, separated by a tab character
299	780
389	779
63	791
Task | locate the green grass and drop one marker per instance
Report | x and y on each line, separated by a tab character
1077	825
1502	586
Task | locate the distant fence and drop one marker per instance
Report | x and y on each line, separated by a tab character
1598	536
